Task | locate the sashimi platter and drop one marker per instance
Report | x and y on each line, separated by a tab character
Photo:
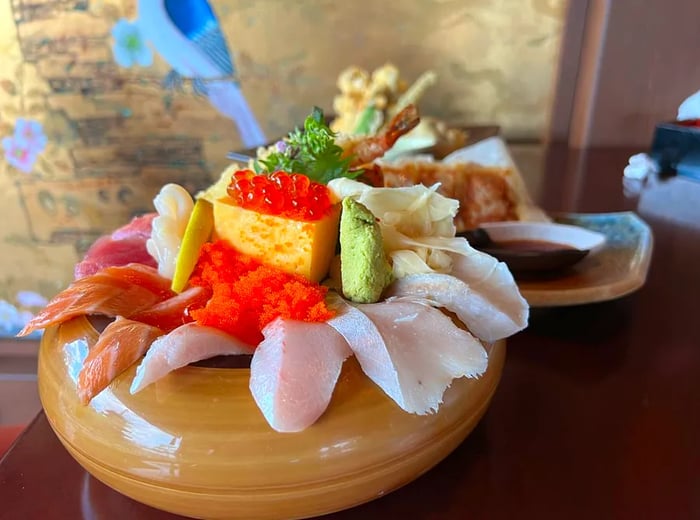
355	310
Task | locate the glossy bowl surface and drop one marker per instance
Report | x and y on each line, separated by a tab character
195	443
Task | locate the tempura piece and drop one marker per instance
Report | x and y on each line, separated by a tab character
367	149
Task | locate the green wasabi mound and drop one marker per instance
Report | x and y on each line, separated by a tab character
364	268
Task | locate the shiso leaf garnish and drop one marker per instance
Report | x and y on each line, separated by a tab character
311	151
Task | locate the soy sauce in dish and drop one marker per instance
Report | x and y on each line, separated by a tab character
535	246
525	255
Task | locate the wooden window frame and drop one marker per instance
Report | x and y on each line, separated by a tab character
624	66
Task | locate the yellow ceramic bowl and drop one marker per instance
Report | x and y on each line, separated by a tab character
195	443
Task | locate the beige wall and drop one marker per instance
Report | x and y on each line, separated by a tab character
114	135
495	60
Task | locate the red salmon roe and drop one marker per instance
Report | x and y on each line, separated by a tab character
247	295
292	196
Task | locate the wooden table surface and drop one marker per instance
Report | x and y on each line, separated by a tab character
597	414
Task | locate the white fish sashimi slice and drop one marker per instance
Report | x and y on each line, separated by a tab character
294	371
488	319
368	345
411	350
483	274
186	344
495	283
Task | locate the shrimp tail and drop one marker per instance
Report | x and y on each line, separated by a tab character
401	124
368	149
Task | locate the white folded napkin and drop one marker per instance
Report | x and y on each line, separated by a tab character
690	108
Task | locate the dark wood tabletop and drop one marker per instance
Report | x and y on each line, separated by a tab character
597	414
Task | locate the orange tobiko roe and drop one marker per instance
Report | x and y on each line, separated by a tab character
247	295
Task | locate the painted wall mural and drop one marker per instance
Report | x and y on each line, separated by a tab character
187	34
104	101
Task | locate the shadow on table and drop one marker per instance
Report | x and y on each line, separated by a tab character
585	343
592	323
98	502
439	492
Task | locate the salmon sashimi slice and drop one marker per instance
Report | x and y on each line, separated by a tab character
174	312
409	349
294	371
113	291
186	344
119	346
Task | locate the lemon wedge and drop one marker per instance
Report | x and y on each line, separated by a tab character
197	232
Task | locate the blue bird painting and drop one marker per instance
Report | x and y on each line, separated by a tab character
187	34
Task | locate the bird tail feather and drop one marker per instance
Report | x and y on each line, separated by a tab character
228	99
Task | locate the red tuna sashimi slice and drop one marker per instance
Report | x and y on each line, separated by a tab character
106	252
187	344
411	350
173	312
119	346
139	227
126	245
294	371
114	291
